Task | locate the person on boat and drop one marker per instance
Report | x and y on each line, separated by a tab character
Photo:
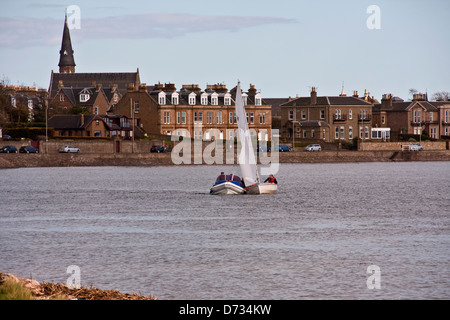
221	176
271	179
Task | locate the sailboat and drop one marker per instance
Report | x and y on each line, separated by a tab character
247	160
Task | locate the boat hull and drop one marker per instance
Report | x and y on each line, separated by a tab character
227	188
263	188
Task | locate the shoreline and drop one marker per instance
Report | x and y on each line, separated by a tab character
58	291
9	161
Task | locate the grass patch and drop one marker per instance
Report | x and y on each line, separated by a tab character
12	290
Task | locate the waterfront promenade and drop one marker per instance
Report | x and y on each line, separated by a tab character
164	159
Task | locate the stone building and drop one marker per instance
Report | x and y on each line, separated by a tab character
194	112
326	118
413	117
69	78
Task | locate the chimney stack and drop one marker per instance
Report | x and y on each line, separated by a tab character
313	96
386	101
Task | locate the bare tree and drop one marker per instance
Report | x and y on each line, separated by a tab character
441	96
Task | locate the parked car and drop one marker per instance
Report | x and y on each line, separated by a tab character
6	137
28	149
313	147
69	149
283	148
415	147
158	149
8	149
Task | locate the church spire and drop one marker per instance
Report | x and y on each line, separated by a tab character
66	60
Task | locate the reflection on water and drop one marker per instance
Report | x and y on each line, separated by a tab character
157	230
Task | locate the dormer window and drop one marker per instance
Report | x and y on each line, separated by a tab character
258	100
227	100
244	97
214	99
175	98
162	98
204	99
84	97
192	99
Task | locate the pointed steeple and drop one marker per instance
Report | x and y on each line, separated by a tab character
66	60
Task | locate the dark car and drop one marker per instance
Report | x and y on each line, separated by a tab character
158	149
28	149
284	148
8	149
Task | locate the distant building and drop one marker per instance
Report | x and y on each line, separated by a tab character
94	100
194	112
326	118
68	78
79	125
413	117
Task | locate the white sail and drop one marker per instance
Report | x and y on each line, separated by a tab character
247	160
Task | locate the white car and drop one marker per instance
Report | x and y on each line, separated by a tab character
313	147
415	147
69	149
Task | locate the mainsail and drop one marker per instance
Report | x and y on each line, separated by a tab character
247	159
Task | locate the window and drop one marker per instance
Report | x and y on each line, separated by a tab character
244	97
342	132
209	117
227	100
175	98
303	114
361	132
166	117
231	118
416	116
246	117
96	110
183	117
313	133
447	116
61	97
323	134
257	101
136	106
252	117
214	99
350	114
162	98
336	133
291	114
198	134
97	134
383	119
322	114
198	117
338	114
366	132
235	120
219	117
192	99
431	116
178	117
204	99
262	118
84	97
350	132
304	133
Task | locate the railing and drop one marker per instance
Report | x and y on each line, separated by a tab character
364	118
417	124
445	123
339	118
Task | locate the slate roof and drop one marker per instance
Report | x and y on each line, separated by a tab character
107	80
326	100
72	121
405	106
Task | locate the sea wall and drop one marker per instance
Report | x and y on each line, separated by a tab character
164	159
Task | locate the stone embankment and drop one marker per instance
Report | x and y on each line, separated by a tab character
164	159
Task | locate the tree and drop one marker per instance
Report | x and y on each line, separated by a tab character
441	96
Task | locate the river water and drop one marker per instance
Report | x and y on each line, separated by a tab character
158	231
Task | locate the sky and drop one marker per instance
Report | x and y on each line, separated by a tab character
283	47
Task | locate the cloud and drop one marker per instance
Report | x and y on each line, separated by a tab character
26	32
